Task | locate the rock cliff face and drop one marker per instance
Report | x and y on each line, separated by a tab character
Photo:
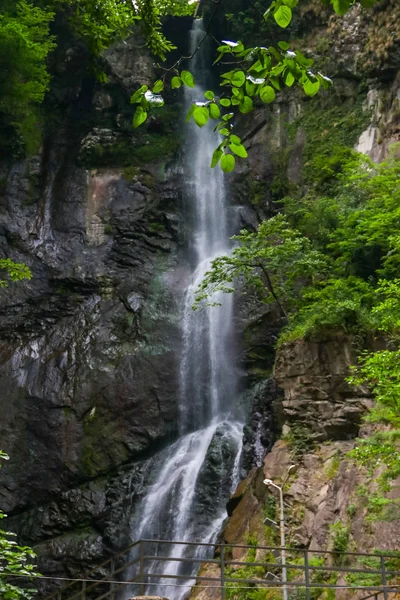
316	395
89	347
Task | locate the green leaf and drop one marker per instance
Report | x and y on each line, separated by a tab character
215	113
201	115
216	157
137	96
228	75
267	94
283	16
250	88
227	163
139	117
187	79
234	139
311	87
239	48
209	95
158	86
239	149
228	117
283	45
275	82
225	102
224	131
246	105
341	6
289	79
238	78
176	82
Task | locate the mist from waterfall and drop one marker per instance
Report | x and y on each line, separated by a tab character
198	472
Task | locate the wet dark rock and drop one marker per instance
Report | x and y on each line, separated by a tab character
89	345
262	427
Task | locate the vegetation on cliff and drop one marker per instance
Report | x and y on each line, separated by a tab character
330	261
28	36
16	565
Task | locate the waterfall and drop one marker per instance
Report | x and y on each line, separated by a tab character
198	472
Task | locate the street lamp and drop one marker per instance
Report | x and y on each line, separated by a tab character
291	469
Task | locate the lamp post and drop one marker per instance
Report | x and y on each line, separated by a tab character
291	469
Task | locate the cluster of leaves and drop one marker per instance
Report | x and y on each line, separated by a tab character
15	271
330	261
25	42
15	561
340	534
330	264
380	371
373	563
150	13
258	74
270	261
99	23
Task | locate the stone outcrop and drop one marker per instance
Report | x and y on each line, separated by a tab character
89	346
316	394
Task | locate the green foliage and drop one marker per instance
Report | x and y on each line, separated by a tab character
392	563
235	591
332	127
257	74
329	262
333	466
351	510
300	440
380	371
25	42
270	507
99	23
269	261
340	535
15	272
334	304
15	560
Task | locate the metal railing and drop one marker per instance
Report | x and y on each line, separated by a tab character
307	569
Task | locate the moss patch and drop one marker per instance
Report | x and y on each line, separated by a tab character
332	128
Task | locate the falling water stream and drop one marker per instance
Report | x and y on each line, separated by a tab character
198	472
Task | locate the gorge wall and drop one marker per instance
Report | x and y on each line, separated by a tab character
89	346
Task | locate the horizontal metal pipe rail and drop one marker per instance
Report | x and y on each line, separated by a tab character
87	585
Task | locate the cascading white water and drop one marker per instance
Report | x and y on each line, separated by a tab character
207	455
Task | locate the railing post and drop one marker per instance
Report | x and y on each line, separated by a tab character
112	585
141	568
384	582
307	575
83	594
222	572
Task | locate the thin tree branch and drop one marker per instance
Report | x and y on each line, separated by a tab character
271	289
218	3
